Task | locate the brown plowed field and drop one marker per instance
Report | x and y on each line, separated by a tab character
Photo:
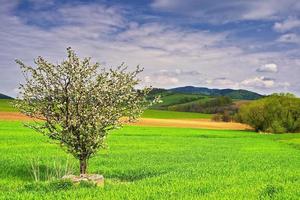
180	123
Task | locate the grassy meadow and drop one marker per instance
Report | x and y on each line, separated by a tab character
163	114
157	163
6	105
170	99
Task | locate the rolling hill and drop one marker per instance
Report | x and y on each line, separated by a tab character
172	98
3	96
234	94
185	99
201	99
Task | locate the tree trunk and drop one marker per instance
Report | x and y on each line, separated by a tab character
83	166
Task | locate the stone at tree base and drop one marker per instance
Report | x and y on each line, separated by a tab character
93	178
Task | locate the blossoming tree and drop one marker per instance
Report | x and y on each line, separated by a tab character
80	102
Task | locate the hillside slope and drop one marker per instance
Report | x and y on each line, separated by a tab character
201	99
234	94
3	96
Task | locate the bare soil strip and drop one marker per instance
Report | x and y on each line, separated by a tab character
180	123
14	116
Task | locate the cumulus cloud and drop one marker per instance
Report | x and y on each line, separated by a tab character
259	82
271	67
287	25
265	83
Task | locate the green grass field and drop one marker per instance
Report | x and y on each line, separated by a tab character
159	163
6	105
178	98
162	114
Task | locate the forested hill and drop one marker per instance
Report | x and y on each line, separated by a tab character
234	94
3	96
202	100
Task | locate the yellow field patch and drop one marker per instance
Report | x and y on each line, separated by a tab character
191	123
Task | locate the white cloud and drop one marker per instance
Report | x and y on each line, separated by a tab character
147	79
259	82
161	81
289	38
230	10
171	78
287	25
177	73
261	10
271	67
285	85
269	85
222	82
171	39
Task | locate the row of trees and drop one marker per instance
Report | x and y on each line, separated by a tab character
278	113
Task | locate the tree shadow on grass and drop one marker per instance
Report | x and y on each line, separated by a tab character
270	192
222	136
15	171
137	175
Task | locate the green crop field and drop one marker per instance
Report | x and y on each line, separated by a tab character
6	105
158	163
199	101
178	98
162	114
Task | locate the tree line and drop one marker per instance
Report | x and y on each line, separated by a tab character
278	113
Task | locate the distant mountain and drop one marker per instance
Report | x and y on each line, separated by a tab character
3	96
234	94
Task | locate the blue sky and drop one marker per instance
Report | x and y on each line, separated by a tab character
218	44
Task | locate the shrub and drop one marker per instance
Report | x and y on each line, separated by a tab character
226	117
222	117
217	117
277	113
